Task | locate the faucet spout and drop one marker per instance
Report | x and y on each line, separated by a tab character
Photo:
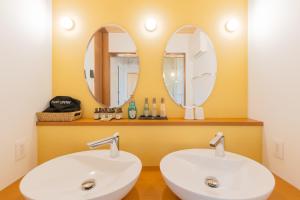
113	141
218	143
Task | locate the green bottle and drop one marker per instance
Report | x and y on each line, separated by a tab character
132	111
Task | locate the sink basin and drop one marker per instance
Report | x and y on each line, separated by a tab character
87	175
197	174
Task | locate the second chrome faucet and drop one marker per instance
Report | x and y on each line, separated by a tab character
218	143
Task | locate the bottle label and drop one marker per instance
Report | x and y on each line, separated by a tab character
146	113
132	114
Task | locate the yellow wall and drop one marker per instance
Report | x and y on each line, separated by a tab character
229	98
149	143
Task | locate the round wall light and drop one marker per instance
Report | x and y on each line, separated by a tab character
232	25
150	24
67	23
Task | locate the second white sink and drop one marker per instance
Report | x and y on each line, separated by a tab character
197	174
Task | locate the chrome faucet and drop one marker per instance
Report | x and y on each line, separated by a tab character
113	141
218	143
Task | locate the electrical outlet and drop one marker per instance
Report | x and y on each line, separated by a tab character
279	150
20	149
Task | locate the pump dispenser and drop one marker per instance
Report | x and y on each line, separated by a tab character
163	112
146	108
154	108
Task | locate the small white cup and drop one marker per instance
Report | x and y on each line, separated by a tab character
189	112
199	113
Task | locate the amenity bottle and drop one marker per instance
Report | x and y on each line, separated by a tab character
132	111
146	108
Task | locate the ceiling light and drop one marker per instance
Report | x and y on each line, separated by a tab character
232	25
150	24
67	23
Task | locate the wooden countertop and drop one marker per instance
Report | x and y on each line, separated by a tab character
169	122
151	185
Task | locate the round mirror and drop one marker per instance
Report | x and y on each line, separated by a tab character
111	66
190	66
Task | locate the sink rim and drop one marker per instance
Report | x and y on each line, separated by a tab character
211	152
127	157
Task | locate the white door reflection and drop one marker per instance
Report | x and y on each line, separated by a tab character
124	75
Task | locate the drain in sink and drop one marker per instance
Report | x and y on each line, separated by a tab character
212	182
88	184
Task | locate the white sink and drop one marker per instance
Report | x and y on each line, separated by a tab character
62	177
187	172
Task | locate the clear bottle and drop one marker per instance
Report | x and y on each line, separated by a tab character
96	114
132	111
146	108
102	113
119	113
163	112
111	113
105	113
154	108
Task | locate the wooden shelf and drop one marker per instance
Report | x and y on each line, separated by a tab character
169	122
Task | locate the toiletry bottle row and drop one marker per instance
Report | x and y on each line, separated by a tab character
108	113
154	112
116	113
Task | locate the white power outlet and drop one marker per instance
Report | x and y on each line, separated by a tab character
20	149
279	150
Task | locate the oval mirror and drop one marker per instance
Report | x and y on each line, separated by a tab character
190	65
111	66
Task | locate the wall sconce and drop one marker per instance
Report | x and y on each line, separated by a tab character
150	24
232	25
67	23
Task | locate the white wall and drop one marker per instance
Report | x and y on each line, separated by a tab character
274	80
25	80
121	42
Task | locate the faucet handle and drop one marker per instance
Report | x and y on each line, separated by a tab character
117	139
220	134
114	146
116	134
216	139
218	143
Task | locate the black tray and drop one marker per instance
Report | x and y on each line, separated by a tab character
143	117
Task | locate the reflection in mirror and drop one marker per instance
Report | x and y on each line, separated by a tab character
190	66
111	66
